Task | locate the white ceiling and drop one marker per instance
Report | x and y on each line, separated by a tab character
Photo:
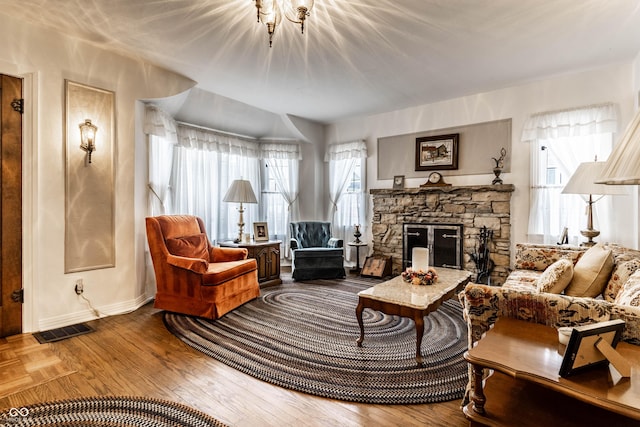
355	58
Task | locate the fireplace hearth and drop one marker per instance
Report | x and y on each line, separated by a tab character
469	207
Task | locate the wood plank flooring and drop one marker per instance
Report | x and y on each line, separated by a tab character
133	354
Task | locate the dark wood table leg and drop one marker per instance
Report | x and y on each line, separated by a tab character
359	310
477	393
419	321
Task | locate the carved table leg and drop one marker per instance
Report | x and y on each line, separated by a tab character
477	393
359	310
419	321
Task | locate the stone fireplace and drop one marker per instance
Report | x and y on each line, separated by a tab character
474	207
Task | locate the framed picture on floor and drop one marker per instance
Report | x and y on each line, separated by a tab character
260	232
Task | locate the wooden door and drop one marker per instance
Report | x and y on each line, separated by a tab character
10	205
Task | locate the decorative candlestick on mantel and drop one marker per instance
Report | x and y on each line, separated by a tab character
497	170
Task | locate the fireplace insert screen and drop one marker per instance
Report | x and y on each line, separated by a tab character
444	242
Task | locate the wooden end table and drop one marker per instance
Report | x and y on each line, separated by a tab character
526	358
267	255
399	298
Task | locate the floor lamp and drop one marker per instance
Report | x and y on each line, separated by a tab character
582	182
240	192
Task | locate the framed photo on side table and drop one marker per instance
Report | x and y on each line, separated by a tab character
260	232
583	350
437	152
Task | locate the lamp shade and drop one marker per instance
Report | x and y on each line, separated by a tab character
583	181
623	165
240	192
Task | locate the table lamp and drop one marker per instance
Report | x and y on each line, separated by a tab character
240	192
583	182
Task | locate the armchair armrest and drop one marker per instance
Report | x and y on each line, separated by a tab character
197	265
294	244
335	243
227	254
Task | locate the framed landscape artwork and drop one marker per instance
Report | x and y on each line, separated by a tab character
437	152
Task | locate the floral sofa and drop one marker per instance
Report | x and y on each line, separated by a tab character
519	297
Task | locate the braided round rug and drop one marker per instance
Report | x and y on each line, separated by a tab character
112	411
302	336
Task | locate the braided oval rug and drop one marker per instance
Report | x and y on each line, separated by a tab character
112	411
302	336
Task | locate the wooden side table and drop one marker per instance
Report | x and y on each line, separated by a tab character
357	245
526	358
267	255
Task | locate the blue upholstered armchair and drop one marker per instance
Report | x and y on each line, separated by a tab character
314	253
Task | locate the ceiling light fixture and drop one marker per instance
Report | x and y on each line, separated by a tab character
270	13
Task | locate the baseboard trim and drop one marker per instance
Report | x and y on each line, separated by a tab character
88	314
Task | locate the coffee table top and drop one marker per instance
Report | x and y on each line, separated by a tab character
397	291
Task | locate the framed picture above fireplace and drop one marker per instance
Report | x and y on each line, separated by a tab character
437	152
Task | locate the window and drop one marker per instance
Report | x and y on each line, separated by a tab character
557	160
349	206
274	208
347	185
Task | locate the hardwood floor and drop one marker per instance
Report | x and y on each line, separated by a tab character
133	354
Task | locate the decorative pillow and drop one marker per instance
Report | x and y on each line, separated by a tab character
195	246
621	273
591	272
556	277
630	292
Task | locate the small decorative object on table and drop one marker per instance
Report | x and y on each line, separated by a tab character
420	277
497	170
357	233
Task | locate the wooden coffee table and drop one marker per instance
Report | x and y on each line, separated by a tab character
526	358
399	298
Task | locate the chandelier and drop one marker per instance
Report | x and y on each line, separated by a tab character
270	13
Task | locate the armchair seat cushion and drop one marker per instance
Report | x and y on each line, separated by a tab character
220	272
318	252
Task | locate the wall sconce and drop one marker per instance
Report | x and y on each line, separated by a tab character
88	137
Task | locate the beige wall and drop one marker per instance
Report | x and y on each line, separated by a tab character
608	84
46	59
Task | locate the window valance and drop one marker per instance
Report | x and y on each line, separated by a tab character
582	121
281	151
348	150
158	123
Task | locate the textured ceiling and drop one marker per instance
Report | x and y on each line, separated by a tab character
355	57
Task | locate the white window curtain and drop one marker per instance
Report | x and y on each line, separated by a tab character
343	159
162	137
205	164
283	163
563	140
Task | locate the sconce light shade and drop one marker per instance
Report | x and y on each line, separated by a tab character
240	192
88	137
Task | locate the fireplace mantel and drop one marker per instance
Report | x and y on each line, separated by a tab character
503	188
473	206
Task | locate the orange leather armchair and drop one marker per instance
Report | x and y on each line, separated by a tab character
193	277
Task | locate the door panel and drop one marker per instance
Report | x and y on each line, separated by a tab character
10	206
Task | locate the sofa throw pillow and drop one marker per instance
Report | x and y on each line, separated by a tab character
591	272
629	294
556	277
195	246
621	273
